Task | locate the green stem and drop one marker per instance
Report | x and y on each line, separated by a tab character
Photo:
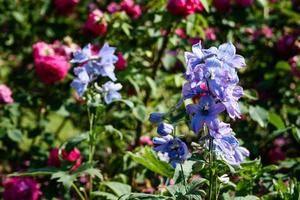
91	147
212	175
78	191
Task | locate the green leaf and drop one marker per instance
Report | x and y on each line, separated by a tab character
126	28
64	177
187	170
15	135
74	141
248	197
296	134
140	112
111	129
259	114
36	172
107	195
264	3
205	5
251	94
276	120
118	188
152	85
148	159
143	196
127	102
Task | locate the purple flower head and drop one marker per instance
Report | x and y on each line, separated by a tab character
220	130
110	91
156	117
95	64
165	129
174	148
206	112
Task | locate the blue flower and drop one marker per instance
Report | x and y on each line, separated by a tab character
165	129
83	55
110	91
156	117
174	148
82	81
227	54
206	112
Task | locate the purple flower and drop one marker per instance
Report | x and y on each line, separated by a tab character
110	91
174	148
165	129
156	117
93	65
206	112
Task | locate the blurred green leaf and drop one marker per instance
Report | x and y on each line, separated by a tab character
259	114
15	135
276	120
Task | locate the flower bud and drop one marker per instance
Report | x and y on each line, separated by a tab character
156	117
164	129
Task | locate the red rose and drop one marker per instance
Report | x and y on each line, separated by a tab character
121	64
53	159
184	7
95	23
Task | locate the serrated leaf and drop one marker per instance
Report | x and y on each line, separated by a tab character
64	177
187	170
259	114
118	188
148	159
276	120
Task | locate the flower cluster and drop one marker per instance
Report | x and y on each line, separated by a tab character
131	9
211	75
21	188
51	60
184	7
170	148
212	83
92	65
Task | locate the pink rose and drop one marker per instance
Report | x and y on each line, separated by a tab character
121	64
210	34
113	7
5	95
131	9
96	24
21	188
51	69
184	7
53	159
145	140
65	6
244	3
42	49
181	33
222	5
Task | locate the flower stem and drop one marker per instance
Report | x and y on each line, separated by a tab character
212	175
91	147
78	191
